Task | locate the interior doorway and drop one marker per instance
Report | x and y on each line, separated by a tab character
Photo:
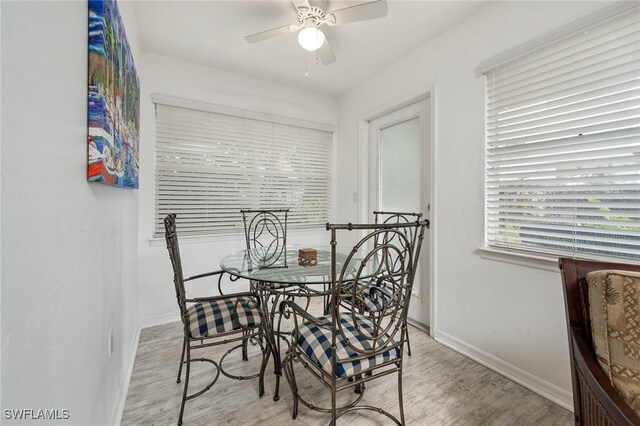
399	181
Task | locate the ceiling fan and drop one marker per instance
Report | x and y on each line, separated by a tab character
313	14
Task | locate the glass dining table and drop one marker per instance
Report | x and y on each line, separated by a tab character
278	273
281	265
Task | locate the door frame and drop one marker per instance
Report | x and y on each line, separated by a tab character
385	121
393	118
362	196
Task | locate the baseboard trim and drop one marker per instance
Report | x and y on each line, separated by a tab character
543	388
121	399
118	407
159	320
418	325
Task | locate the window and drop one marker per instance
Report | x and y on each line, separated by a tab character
209	165
563	143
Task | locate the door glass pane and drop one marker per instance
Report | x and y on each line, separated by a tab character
400	160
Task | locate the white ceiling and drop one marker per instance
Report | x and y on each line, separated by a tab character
212	33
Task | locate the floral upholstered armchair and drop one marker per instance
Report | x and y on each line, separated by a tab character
614	311
603	316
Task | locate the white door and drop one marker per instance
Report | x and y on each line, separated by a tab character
399	174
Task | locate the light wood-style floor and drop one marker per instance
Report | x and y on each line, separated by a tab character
441	387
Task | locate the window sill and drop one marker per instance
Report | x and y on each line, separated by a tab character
226	237
546	262
199	239
529	260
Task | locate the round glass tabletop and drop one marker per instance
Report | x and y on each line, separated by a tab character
281	265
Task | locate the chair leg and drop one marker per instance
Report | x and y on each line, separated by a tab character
359	387
334	411
266	353
276	394
277	361
326	299
290	375
400	396
408	343
184	346
245	341
186	383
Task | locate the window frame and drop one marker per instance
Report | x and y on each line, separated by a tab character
538	259
233	235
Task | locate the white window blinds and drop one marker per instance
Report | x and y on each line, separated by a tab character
211	165
563	144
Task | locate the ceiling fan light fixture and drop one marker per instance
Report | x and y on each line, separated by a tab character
311	38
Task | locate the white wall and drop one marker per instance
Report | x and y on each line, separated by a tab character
69	248
167	76
76	257
509	316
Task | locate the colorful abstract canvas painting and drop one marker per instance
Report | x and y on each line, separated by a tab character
114	99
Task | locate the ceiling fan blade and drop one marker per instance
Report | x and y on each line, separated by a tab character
325	53
361	12
322	4
300	3
264	35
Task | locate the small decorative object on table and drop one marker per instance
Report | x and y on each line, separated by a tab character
307	257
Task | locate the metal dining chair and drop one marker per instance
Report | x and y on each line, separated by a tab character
213	321
265	232
353	345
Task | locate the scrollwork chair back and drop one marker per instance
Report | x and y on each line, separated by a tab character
266	233
410	232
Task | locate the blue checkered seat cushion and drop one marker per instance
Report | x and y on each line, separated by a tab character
269	286
222	316
315	342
